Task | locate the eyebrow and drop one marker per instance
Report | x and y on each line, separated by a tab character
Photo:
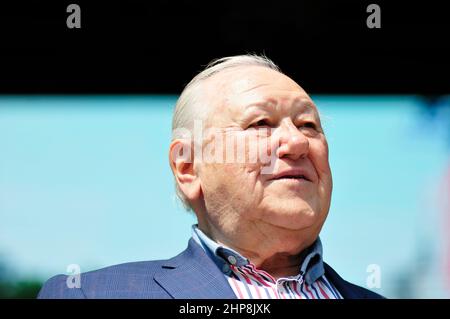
303	103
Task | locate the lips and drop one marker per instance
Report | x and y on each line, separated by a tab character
299	174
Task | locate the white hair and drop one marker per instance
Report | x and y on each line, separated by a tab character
188	106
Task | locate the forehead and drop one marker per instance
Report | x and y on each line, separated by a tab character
236	89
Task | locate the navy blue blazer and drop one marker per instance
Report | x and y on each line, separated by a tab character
190	275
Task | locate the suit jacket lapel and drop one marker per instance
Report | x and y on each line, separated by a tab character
345	288
192	274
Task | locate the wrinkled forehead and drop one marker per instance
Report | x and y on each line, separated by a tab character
237	89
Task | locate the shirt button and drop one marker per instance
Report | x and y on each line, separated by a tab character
232	260
225	268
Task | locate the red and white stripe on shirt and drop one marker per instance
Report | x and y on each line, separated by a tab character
248	282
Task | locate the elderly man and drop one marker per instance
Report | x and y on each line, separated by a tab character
250	158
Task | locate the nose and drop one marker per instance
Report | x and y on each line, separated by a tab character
293	144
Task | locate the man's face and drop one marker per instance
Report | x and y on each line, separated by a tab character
270	112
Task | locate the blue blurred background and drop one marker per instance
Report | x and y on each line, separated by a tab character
85	180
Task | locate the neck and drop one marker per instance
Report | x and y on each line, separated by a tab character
280	255
279	265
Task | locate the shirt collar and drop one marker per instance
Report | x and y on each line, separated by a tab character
311	267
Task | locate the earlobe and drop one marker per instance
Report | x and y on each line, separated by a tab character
182	165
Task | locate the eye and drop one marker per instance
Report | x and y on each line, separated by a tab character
260	123
309	125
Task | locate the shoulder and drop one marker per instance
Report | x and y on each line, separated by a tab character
347	289
117	281
129	280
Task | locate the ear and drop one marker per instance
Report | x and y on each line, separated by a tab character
181	159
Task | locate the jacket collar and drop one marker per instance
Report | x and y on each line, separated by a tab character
192	274
346	289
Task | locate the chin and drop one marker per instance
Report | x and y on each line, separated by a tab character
293	218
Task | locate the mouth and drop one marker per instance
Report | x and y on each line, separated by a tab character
300	175
293	177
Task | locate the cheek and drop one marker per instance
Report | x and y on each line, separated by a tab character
319	157
231	190
243	176
227	179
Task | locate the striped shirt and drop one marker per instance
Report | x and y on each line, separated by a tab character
248	282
